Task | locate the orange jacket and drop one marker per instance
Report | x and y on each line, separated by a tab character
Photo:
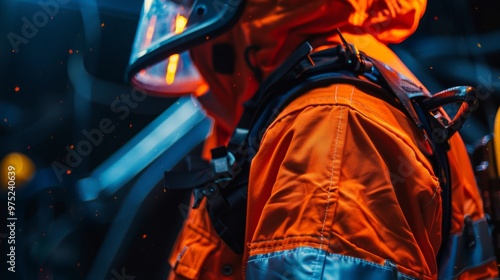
340	185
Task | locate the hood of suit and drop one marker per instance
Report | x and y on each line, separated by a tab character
268	31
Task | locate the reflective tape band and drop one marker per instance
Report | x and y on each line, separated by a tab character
312	263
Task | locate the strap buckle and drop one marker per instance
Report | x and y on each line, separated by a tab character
352	57
222	174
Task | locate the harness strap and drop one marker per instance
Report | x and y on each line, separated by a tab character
226	191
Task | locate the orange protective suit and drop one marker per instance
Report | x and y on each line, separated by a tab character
341	187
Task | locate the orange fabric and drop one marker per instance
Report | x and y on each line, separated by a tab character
466	202
278	27
224	103
200	254
342	171
339	169
362	188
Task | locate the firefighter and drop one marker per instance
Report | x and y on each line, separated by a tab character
343	184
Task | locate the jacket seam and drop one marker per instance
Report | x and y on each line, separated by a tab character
285	238
380	119
332	171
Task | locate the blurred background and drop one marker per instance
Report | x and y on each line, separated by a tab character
67	117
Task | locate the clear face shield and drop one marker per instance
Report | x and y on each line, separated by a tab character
175	74
160	62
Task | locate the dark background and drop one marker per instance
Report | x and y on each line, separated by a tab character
65	77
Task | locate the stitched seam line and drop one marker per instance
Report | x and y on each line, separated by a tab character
331	175
378	119
277	246
285	238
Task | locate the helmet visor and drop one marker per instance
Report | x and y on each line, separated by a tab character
160	62
173	74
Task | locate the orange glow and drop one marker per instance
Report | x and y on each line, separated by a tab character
180	24
150	32
171	68
17	89
17	170
496	139
202	89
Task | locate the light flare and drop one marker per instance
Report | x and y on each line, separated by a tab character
173	60
150	32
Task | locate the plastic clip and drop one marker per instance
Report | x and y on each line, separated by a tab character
353	57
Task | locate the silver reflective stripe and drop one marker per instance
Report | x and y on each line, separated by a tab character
460	256
311	263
